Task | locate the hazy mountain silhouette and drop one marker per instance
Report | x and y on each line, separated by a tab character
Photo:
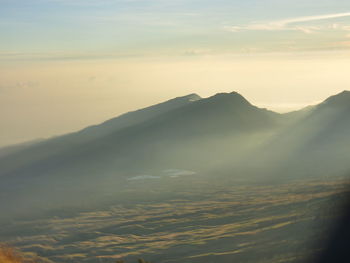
340	100
179	119
23	154
220	133
136	117
326	133
316	144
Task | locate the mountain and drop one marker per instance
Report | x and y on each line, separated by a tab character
10	149
26	154
326	133
340	100
135	117
223	135
317	144
187	180
186	133
185	118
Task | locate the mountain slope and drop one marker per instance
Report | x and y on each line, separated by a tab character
28	154
318	144
223	133
220	115
135	117
195	136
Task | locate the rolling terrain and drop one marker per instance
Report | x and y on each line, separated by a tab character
233	223
191	179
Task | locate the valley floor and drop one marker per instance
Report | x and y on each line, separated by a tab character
242	223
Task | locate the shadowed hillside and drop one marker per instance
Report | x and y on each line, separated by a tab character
315	145
222	134
193	136
187	180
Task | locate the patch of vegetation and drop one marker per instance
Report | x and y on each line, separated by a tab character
10	255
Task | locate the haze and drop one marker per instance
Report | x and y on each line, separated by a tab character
65	65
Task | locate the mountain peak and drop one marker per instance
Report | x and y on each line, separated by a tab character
341	99
191	97
232	97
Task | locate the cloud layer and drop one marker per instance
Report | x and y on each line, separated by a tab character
295	24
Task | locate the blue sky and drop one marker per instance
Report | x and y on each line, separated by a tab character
72	28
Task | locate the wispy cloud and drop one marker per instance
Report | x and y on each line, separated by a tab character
295	24
313	18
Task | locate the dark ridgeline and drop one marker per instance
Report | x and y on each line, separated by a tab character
223	134
218	143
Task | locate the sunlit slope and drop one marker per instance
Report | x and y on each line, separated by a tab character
318	144
27	154
202	121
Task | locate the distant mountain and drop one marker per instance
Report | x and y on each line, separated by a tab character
317	144
326	136
223	134
185	133
27	154
135	117
341	100
10	149
155	132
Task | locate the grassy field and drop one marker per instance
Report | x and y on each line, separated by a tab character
228	223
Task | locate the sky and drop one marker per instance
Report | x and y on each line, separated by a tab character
67	64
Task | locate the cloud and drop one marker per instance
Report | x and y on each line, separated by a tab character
289	24
313	18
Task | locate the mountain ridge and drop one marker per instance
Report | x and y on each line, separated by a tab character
341	99
199	115
224	131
